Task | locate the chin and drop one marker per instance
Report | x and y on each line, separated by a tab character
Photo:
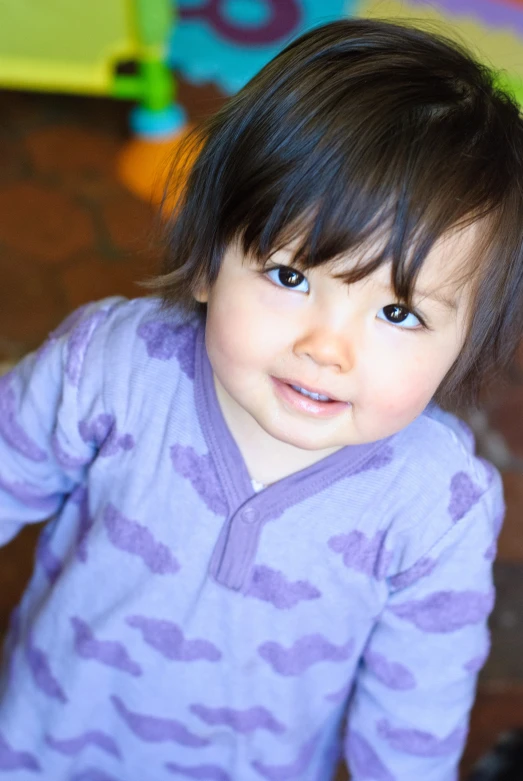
301	441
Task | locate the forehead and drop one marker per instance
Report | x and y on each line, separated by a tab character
450	264
453	259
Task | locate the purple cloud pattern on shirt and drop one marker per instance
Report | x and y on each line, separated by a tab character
293	770
340	695
200	772
116	443
378	460
72	746
271	585
419	570
362	553
446	611
153	729
67	325
464	494
40	669
66	460
93	774
65	328
419	743
78	342
97	430
16	760
364	761
133	538
306	651
199	470
46	558
391	674
11	430
108	652
101	431
80	497
167	638
242	721
31	496
165	341
475	664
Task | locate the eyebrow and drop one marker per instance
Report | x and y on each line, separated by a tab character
440	298
424	295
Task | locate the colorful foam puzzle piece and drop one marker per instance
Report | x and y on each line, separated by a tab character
228	41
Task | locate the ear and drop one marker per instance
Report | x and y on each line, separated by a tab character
201	295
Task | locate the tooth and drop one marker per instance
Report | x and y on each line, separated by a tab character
310	394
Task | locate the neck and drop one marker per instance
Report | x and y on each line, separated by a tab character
267	459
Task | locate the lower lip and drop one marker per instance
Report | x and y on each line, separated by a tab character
319	409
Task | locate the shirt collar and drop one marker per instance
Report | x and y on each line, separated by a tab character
231	467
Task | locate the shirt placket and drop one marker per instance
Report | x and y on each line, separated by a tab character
236	547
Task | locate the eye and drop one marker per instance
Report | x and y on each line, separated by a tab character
397	314
284	276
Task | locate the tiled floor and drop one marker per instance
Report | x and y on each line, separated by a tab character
70	233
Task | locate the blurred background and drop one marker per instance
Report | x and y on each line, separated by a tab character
93	100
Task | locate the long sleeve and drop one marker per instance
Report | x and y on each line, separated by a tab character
408	717
47	405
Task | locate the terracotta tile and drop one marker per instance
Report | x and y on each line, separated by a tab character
13	159
31	303
101	114
24	109
130	223
199	101
505	415
16	566
91	279
497	708
505	662
43	222
73	151
510	546
10	352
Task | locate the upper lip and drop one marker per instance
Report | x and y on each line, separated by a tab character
308	388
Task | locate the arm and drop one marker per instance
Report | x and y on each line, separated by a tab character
42	403
408	717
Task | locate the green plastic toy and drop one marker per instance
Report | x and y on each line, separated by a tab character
72	46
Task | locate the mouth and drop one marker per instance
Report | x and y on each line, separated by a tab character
318	395
313	401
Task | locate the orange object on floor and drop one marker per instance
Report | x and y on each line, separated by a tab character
145	166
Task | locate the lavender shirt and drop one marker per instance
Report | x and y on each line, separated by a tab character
179	624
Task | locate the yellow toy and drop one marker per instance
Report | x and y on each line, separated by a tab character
69	46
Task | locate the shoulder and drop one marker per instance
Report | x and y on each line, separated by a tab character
140	321
118	344
440	446
448	492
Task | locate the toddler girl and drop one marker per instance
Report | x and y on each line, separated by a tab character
268	542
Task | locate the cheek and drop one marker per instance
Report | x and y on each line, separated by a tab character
401	405
401	391
232	337
246	328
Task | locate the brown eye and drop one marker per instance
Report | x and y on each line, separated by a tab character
284	276
396	314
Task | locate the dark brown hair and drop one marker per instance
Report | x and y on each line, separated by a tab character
356	126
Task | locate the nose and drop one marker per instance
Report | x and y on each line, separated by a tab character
326	347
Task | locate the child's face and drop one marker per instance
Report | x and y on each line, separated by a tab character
379	365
